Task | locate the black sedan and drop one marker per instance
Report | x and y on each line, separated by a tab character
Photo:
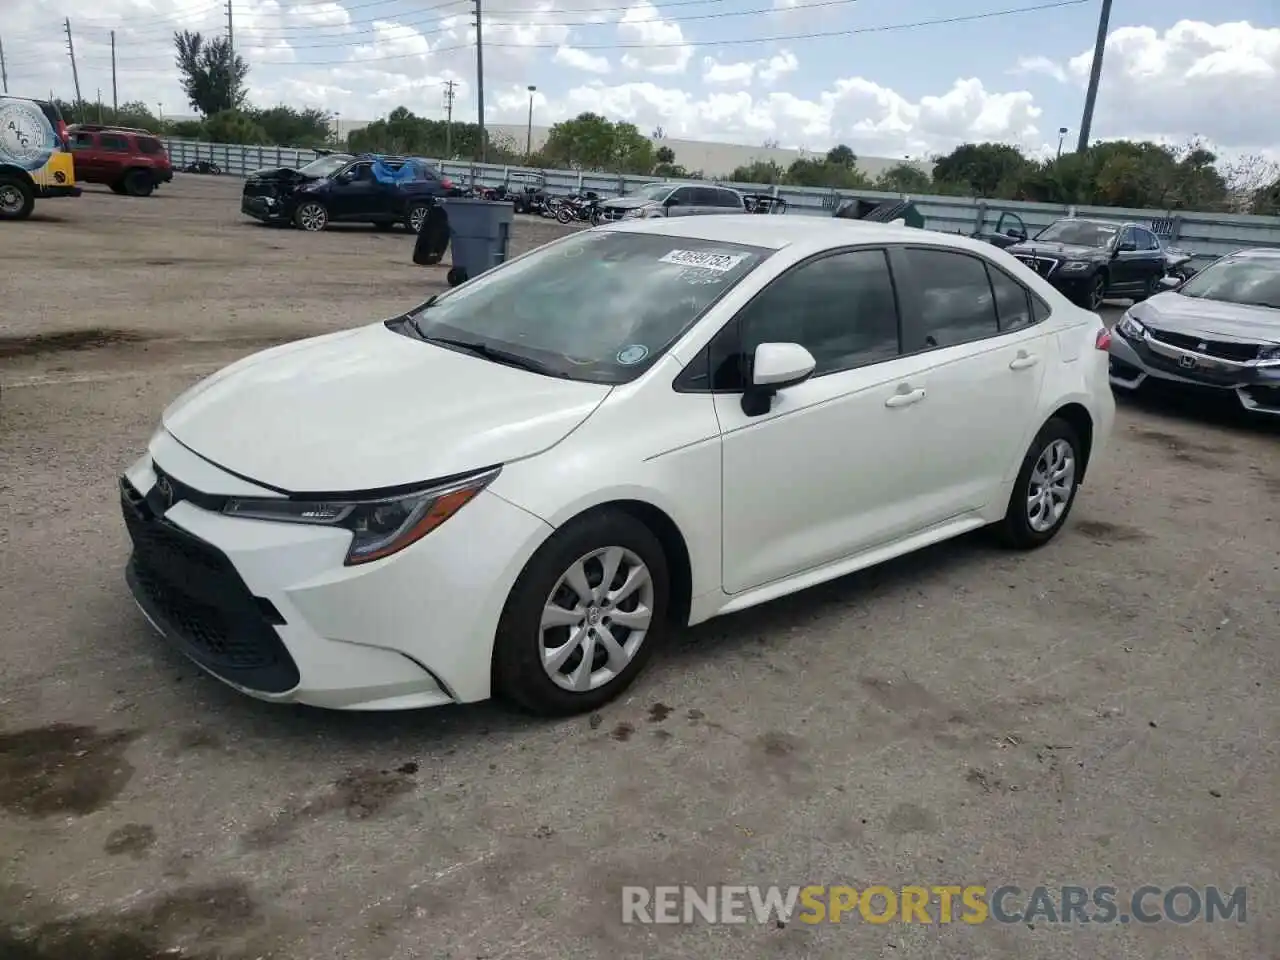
1219	331
1094	260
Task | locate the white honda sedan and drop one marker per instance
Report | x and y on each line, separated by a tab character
519	486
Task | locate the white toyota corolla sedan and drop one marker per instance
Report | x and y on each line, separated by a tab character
520	485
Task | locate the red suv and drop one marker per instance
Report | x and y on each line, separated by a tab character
126	159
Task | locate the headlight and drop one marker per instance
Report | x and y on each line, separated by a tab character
1076	266
378	527
633	213
1269	355
1132	327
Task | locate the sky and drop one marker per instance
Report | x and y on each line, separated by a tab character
873	74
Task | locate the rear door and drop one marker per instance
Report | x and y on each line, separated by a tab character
84	148
685	203
113	154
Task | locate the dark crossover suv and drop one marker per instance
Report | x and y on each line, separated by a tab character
340	188
1219	330
1092	260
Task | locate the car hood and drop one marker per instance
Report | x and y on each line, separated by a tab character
278	173
370	408
1212	319
628	203
1066	251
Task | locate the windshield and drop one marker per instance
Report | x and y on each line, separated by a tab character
1079	233
1253	282
325	166
600	306
651	191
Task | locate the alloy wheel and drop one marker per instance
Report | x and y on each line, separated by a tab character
416	216
1051	487
312	217
11	199
1097	293
596	619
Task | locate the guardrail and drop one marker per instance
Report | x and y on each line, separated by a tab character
1207	235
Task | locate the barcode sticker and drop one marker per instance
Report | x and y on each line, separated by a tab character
719	262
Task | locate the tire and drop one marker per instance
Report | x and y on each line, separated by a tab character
1149	289
139	183
17	198
523	669
1026	525
597	218
564	214
416	216
117	188
311	216
456	276
1096	292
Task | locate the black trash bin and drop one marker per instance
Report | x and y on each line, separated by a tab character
480	234
433	237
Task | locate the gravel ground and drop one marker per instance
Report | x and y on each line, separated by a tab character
1101	712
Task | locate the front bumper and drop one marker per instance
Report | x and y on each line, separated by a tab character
270	609
266	209
1133	361
53	192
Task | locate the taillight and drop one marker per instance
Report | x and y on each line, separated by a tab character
446	183
1103	340
64	134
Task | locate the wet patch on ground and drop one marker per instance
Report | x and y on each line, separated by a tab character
62	769
359	795
1102	531
1182	449
86	339
202	915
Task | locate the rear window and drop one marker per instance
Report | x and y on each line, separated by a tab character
150	145
113	141
728	198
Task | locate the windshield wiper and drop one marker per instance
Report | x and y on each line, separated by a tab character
498	355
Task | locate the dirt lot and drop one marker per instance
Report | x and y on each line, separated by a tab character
1102	712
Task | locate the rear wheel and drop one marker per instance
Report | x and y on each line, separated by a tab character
311	216
1046	487
564	214
583	617
139	183
17	199
416	216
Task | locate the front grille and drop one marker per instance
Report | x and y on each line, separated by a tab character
259	188
612	215
1041	265
192	590
1211	377
1223	350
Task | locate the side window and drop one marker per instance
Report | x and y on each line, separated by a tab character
702	197
148	145
685	196
114	142
955	301
842	308
727	198
1129	235
1039	309
1013	301
1147	240
82	141
360	171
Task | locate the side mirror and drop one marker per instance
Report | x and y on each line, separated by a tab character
776	366
671	202
1017	234
344	177
1170	283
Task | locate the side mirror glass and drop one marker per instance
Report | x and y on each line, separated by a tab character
775	367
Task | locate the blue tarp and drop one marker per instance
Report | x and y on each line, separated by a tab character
405	173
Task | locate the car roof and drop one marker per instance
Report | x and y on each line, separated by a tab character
774	233
1256	253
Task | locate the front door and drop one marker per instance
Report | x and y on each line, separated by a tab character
818	476
1128	271
355	194
84	147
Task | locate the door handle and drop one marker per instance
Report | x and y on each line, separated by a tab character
905	399
1023	361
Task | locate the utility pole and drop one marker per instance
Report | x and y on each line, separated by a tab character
1095	75
231	44
4	73
115	96
448	118
480	86
75	75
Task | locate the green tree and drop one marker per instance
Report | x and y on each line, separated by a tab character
842	156
590	142
404	132
665	155
826	173
235	126
904	178
212	72
759	171
981	167
132	114
286	126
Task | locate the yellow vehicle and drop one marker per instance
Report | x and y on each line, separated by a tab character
35	159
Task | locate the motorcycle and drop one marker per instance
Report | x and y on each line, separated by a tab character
202	166
584	207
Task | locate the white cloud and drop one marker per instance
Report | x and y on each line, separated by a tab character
1041	65
663	49
581	60
778	66
743	72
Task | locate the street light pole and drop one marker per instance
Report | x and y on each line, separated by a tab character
528	135
1062	133
1095	75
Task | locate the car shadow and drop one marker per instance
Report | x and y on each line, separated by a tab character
1220	409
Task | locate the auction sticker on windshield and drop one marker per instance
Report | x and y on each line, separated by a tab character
720	262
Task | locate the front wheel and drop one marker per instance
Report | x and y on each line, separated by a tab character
1095	293
17	199
416	216
597	217
1149	289
564	214
312	217
1046	487
139	183
583	617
